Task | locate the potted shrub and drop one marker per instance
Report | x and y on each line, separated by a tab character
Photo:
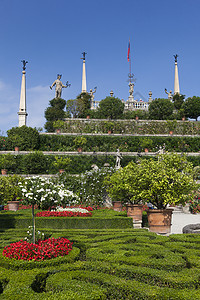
146	144
61	163
58	125
121	191
80	142
162	182
7	162
10	193
171	125
109	126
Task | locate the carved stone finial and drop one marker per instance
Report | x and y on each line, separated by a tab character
111	93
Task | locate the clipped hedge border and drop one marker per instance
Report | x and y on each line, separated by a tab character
124	143
68	223
26	265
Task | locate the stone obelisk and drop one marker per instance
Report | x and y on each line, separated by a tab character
84	88
22	106
176	79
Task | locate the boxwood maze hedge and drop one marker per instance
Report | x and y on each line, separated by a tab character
110	264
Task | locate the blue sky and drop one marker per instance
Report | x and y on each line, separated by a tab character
51	35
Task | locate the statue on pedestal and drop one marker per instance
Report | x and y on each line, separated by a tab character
118	159
59	85
92	97
170	96
131	86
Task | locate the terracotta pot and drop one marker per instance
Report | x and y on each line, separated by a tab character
3	171
117	205
160	220
13	205
17	149
61	171
134	211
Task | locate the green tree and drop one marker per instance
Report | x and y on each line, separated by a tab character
80	106
54	112
178	100
191	107
111	108
160	109
169	180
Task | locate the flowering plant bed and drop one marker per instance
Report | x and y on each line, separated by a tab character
43	250
63	214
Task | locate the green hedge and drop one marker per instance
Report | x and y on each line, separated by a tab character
130	126
112	264
79	163
124	143
69	223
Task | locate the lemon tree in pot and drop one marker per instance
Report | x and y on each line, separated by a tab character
10	193
165	181
7	162
121	190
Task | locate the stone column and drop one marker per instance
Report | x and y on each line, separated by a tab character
176	80
22	107
84	89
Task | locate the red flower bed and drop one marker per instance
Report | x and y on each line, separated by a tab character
63	214
46	249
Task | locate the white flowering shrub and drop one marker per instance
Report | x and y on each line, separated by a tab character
92	189
45	193
38	235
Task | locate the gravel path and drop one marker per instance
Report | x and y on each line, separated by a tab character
179	220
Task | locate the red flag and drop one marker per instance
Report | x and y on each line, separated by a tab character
129	48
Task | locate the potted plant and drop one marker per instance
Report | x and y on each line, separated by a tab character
146	144
58	125
80	142
10	193
16	141
61	163
171	125
121	191
7	161
109	126
162	182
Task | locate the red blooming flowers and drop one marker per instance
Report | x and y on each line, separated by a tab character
43	250
63	214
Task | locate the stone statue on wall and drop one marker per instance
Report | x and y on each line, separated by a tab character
170	95
59	85
118	159
92	97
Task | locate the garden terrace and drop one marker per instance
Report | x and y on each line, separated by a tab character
80	162
129	126
106	264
